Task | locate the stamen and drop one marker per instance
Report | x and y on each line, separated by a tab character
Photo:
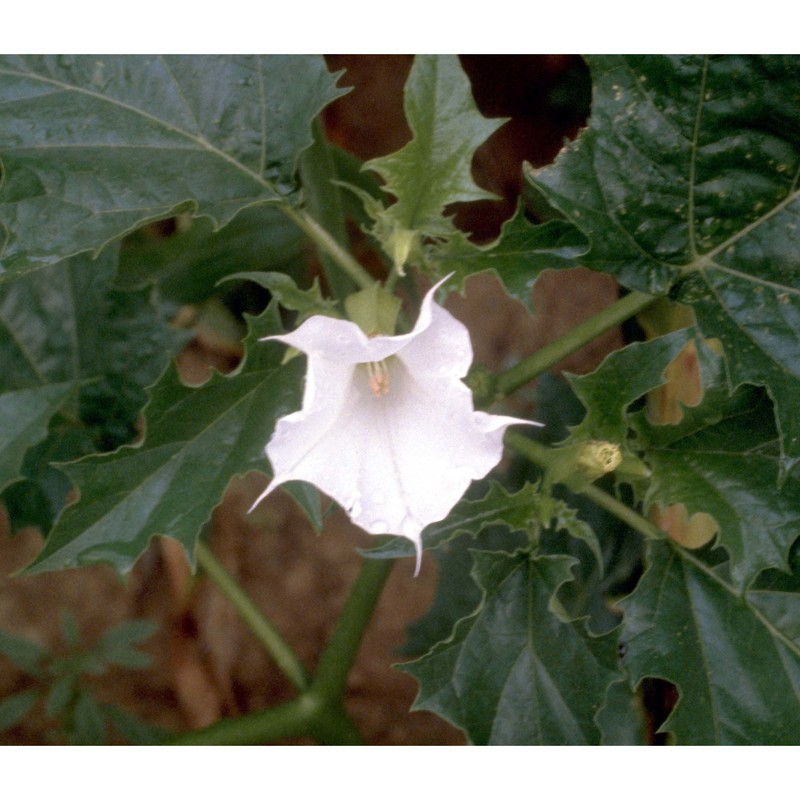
378	377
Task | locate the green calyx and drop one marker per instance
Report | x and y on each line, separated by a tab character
374	310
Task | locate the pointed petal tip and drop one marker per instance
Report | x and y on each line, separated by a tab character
270	486
418	547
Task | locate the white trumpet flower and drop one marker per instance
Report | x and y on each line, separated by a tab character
387	428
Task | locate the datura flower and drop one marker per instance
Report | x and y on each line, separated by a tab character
387	428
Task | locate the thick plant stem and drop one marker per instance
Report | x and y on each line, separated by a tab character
549	355
271	725
318	712
302	717
273	642
541	455
328	245
334	665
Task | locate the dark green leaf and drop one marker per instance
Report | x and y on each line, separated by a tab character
735	660
197	440
45	490
351	175
516	672
521	511
67	324
722	459
24	415
521	253
95	146
88	723
26	654
15	708
687	176
622	717
319	174
188	264
306	302
307	497
624	376
518	512
132	729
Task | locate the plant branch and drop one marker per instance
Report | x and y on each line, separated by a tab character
273	724
542	455
318	712
334	665
327	244
265	632
583	333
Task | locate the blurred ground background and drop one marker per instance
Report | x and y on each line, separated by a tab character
205	663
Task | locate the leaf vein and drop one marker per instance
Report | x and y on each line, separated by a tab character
201	141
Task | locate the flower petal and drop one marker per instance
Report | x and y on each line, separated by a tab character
343	341
399	456
440	347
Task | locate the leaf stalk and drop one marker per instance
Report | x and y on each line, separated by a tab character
328	245
266	633
583	333
542	456
318	712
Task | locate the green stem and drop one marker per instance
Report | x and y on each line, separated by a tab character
334	665
622	512
271	725
541	455
273	642
318	712
298	718
327	244
583	333
323	201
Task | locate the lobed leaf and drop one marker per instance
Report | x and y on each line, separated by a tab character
624	376
77	356
434	168
307	302
520	254
94	146
187	265
688	178
515	672
519	511
734	659
197	440
24	415
722	459
68	325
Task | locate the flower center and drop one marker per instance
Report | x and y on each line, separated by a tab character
378	377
